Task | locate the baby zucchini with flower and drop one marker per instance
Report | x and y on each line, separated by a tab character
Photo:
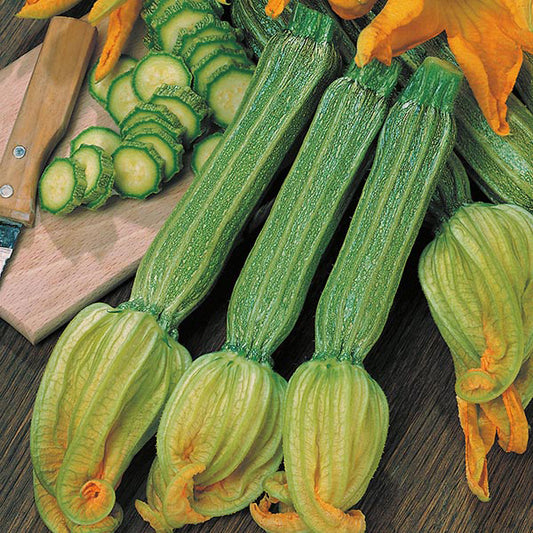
336	415
113	369
220	434
477	275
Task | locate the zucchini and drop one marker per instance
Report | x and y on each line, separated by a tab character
188	253
213	62
159	12
202	47
62	186
203	149
524	83
336	416
156	69
97	166
179	19
224	91
169	150
121	99
155	112
245	448
208	26
105	138
190	108
142	126
138	170
99	89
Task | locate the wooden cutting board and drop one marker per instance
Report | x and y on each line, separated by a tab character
64	263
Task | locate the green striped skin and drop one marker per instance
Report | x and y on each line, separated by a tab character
524	83
97	405
244	449
187	255
330	457
272	286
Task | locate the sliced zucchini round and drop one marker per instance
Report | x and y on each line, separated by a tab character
62	186
99	173
105	138
99	89
206	45
148	111
225	90
121	98
142	126
203	149
156	69
138	170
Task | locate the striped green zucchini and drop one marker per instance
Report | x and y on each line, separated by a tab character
131	359
264	307
336	416
524	83
189	251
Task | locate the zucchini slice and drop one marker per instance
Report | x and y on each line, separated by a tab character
168	149
157	12
138	170
190	108
208	26
99	173
225	90
62	186
178	20
156	69
143	126
202	47
213	62
105	138
99	89
147	111
203	149
121	98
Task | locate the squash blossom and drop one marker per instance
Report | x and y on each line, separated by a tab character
334	433
99	401
122	16
486	37
477	276
219	438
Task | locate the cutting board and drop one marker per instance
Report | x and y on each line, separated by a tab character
64	263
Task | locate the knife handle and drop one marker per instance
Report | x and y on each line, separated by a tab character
44	114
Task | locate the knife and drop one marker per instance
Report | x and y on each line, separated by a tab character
41	122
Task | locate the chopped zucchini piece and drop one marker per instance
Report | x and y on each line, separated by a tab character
213	62
155	14
62	186
156	69
204	46
176	21
208	26
190	108
99	89
148	111
105	138
225	90
121	98
138	170
203	149
176	134
169	150
99	173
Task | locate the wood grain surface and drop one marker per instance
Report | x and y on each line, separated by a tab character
419	485
63	263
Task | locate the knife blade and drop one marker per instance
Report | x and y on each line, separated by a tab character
41	122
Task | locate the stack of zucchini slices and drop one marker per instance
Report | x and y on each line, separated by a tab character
195	74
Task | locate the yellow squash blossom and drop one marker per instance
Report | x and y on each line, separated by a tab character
486	36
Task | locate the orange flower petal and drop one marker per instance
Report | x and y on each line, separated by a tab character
351	9
121	24
288	522
43	9
479	436
274	8
102	8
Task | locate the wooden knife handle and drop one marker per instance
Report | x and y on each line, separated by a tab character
44	114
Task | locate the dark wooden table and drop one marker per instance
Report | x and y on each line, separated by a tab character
420	484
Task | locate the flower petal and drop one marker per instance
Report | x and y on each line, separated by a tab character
351	9
288	522
274	8
102	8
121	22
43	9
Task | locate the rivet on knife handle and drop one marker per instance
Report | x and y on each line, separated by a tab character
44	114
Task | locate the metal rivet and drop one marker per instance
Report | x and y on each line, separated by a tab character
19	151
6	191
